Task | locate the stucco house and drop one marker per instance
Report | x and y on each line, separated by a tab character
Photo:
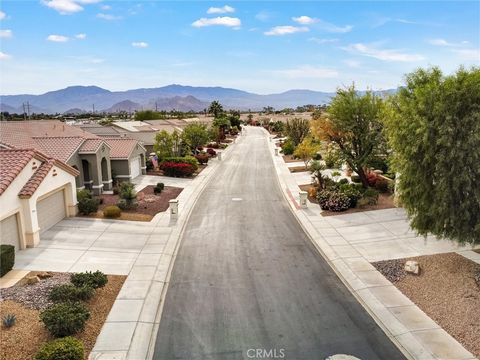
99	160
36	192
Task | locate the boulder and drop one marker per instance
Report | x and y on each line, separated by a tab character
31	280
412	267
44	275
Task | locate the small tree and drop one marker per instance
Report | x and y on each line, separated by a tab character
195	135
223	124
433	126
353	122
163	145
306	150
234	118
177	144
215	108
297	129
316	168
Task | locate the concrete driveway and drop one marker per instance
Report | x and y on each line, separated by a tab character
247	278
89	244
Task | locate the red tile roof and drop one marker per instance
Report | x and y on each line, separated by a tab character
91	145
61	148
13	161
121	148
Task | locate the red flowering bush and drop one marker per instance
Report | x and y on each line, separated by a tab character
211	152
170	168
372	178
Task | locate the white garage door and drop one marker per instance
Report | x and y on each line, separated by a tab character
9	232
135	167
51	210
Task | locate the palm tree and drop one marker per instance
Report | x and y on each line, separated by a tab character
215	108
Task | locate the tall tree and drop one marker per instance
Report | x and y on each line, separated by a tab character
163	145
433	126
297	130
195	135
215	108
353	122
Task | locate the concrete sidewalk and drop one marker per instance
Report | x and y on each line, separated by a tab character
350	242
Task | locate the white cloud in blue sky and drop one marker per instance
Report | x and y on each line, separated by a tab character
276	46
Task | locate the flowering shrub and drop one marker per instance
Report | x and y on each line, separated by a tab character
333	200
372	178
211	152
170	168
202	158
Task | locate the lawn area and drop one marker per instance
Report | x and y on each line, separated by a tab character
446	290
23	340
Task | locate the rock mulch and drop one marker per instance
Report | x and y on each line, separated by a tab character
23	340
34	296
446	290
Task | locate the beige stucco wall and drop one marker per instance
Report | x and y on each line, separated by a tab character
10	203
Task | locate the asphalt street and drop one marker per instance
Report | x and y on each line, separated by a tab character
248	284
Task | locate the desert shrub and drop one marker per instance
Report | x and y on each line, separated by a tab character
65	319
333	200
9	320
202	158
84	194
184	160
88	205
317	156
112	211
69	292
211	152
332	158
158	188
177	169
343	181
94	279
369	197
67	348
288	148
234	131
382	185
352	192
128	196
7	258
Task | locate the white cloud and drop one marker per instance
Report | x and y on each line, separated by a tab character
221	10
57	38
108	17
140	44
86	2
322	41
352	63
81	36
468	54
263	16
64	7
309	72
284	30
223	21
105	7
4	56
383	54
332	28
6	34
305	20
3	16
443	42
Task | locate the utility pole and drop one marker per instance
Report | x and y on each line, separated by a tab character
28	109
156	107
24	112
93	107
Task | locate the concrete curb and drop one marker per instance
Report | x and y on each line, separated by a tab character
132	325
409	328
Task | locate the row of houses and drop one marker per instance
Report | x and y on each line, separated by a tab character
44	163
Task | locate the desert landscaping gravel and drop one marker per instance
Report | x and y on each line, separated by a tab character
445	290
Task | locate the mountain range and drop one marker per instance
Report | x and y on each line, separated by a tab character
77	99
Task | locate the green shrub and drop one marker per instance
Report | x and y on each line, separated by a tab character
7	258
127	204
352	192
378	164
128	196
95	279
288	148
369	197
69	292
88	205
158	188
184	160
356	179
343	181
84	194
65	319
332	158
67	348
112	211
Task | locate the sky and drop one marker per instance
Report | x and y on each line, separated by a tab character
258	46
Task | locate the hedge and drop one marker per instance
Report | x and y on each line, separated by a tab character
7	258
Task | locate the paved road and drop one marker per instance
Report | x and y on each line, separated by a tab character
247	277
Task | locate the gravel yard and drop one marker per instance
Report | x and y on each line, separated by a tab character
445	290
22	341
